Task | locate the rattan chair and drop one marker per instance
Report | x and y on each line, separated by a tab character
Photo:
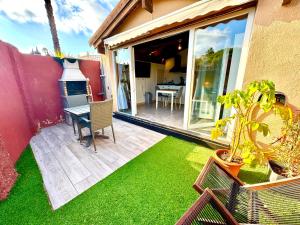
75	100
100	117
264	203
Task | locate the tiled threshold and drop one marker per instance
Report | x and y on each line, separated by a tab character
173	131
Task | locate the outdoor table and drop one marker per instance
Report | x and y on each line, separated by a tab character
168	92
77	112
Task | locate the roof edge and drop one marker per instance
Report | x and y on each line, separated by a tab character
154	26
114	15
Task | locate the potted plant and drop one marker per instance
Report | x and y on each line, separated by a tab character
287	148
242	148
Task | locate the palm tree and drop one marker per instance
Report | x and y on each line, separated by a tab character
55	40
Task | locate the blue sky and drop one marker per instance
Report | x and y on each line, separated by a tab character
24	24
220	36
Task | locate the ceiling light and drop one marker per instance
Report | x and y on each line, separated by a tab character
179	45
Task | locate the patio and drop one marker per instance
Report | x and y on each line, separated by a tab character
68	168
153	188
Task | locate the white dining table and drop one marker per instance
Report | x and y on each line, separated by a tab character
168	92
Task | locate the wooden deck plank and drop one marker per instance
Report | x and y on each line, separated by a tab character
56	182
97	170
69	163
68	168
86	183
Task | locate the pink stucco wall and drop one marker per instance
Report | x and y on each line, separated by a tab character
40	78
30	97
15	126
91	70
15	131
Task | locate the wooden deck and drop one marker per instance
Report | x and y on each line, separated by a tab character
68	168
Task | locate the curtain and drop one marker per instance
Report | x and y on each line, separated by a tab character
122	101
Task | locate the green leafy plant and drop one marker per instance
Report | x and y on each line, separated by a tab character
287	147
242	147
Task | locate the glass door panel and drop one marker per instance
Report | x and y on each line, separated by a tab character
122	67
216	57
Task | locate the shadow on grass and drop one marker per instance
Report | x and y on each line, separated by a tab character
254	176
198	157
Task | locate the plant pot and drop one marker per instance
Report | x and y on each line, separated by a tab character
275	169
233	167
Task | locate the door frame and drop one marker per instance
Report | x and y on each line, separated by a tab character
250	12
220	90
131	80
190	64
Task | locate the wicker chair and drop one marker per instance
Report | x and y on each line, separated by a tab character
75	100
207	210
100	117
264	203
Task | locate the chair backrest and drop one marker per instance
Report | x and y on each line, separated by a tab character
264	203
215	176
207	210
219	179
179	93
101	114
279	204
76	100
274	202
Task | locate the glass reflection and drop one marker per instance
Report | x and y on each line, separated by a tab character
216	60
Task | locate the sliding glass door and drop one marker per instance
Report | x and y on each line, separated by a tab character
216	58
125	80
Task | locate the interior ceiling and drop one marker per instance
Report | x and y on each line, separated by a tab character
157	51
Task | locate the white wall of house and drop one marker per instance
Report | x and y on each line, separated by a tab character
148	84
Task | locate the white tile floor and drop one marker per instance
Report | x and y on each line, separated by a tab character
162	114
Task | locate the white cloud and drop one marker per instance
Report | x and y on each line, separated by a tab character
215	38
24	11
70	15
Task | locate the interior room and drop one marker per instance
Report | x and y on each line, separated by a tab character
160	71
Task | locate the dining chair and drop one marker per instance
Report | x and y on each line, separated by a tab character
178	97
162	97
73	101
100	118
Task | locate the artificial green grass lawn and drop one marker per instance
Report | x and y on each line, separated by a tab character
154	188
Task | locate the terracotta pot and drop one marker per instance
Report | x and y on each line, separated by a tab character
234	168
